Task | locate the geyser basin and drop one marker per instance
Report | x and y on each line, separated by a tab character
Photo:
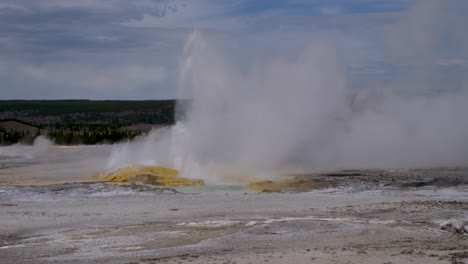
161	176
288	184
154	175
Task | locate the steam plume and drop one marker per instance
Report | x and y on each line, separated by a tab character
302	113
282	115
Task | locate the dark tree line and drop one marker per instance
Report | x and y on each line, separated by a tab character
91	137
61	114
13	137
82	121
69	137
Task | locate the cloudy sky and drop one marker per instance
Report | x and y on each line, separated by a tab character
122	49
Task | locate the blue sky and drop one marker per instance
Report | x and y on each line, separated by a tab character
119	49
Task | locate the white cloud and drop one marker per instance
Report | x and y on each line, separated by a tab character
127	78
107	38
97	53
427	32
330	10
79	4
188	14
450	62
112	79
10	5
34	72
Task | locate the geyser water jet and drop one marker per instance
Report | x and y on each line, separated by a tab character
303	114
283	115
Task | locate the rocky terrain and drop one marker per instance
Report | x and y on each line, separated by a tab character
52	211
418	216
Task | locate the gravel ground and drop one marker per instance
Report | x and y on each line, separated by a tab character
49	215
107	223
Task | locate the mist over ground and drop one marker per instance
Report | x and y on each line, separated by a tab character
301	112
336	90
295	131
40	145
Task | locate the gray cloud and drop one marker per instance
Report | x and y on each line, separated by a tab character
75	49
428	46
57	48
302	112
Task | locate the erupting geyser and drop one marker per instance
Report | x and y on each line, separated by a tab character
296	114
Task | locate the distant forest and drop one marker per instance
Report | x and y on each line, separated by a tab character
70	122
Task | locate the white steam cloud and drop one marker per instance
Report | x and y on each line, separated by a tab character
302	113
284	115
40	145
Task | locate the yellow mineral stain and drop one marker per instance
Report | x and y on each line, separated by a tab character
290	184
154	175
168	177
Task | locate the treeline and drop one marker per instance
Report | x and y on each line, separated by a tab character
91	137
62	107
69	122
13	137
61	114
69	137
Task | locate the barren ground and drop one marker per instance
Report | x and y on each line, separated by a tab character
404	216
